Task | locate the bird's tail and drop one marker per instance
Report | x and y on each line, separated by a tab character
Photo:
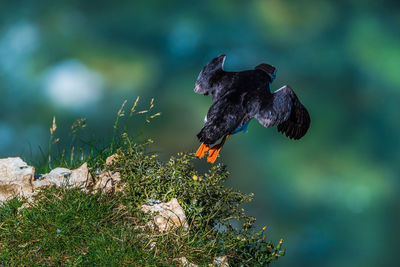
209	135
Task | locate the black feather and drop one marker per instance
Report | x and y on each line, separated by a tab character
286	112
240	96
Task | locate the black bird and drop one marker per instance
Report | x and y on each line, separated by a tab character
240	96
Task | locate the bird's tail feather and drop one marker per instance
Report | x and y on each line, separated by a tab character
208	135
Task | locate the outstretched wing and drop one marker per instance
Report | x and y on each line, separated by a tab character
286	112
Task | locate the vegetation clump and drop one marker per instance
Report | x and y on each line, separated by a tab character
66	226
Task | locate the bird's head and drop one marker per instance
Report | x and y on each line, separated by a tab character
203	80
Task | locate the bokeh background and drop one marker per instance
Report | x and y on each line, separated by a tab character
332	196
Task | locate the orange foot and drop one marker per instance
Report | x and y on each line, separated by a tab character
202	150
214	151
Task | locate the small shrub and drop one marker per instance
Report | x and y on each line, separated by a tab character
65	226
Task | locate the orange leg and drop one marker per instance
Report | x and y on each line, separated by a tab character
202	150
214	151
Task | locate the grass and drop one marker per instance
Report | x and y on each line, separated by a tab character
65	226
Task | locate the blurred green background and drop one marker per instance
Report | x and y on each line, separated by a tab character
332	196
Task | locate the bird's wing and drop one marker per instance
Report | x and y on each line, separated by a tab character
286	112
223	117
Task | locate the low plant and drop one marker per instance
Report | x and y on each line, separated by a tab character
65	226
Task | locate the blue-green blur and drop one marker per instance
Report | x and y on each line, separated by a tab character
333	196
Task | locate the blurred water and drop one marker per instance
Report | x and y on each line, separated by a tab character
70	84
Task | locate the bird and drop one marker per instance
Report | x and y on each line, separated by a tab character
238	97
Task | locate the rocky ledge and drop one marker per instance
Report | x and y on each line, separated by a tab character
17	178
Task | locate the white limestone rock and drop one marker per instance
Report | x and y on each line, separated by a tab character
168	216
221	261
15	178
184	262
110	160
108	181
79	177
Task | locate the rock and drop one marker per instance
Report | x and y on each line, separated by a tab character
79	177
57	177
108	181
221	261
184	262
168	216
24	206
110	160
15	178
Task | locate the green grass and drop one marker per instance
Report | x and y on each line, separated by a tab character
65	226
